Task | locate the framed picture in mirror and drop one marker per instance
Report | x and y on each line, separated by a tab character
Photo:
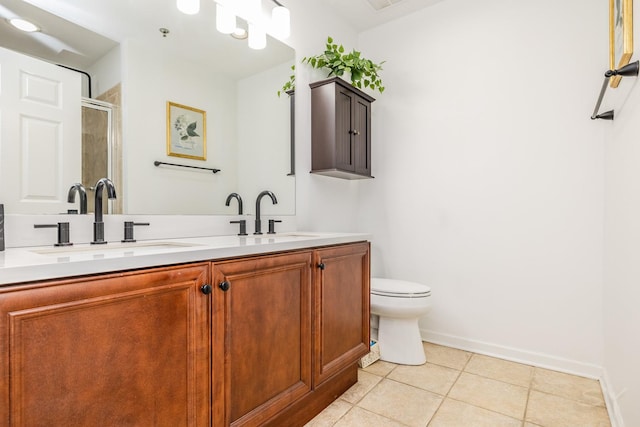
620	35
186	132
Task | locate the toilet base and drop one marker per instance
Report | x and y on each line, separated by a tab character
400	341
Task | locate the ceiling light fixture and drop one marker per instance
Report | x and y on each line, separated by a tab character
188	7
278	24
23	25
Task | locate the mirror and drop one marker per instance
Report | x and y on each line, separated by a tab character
247	124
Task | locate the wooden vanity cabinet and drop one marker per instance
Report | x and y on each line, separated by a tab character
289	331
267	340
261	336
340	130
341	302
122	349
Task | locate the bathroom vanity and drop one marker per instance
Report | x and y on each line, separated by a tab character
238	331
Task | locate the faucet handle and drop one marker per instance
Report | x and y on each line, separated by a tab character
243	226
128	231
63	232
272	226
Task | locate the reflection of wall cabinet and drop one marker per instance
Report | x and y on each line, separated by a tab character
340	130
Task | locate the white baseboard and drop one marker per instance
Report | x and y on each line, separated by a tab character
514	354
534	359
615	415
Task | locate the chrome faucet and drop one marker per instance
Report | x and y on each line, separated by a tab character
71	197
98	225
260	196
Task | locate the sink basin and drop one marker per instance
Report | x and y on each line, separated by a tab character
73	250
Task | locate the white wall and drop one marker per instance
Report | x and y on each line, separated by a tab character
264	143
622	243
489	174
151	78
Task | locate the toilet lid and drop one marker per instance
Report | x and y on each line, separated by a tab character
398	288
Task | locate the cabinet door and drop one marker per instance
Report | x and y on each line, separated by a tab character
345	102
262	332
127	349
341	305
361	136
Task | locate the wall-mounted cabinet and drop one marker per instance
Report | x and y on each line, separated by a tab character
340	130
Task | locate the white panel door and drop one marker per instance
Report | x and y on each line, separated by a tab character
40	134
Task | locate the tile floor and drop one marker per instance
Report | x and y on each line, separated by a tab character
456	388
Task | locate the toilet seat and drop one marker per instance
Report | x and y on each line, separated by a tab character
392	288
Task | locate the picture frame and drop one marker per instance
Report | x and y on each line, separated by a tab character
186	132
620	36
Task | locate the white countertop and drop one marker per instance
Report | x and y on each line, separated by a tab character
28	264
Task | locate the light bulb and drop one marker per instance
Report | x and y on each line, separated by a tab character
257	37
281	21
24	25
189	7
225	19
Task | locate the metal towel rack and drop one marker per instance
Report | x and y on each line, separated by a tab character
628	70
157	163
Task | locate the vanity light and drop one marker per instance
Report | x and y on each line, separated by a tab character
24	25
225	19
281	21
188	7
257	37
278	23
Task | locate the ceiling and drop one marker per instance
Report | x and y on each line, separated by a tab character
63	41
192	39
365	14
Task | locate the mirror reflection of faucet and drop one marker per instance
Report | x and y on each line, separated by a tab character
98	225
71	197
258	229
241	222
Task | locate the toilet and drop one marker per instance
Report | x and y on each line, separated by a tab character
399	305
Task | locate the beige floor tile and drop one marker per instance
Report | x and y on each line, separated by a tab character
453	413
366	382
531	425
400	402
446	356
331	414
380	368
556	411
435	378
560	384
358	417
499	369
498	396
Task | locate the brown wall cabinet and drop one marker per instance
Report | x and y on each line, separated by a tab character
267	340
340	130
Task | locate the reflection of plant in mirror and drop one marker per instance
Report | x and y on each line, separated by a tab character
290	85
364	72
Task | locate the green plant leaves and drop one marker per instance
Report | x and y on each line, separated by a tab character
338	62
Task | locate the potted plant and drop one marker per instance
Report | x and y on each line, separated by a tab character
364	72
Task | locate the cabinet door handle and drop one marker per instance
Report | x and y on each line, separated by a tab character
321	266
356	132
224	286
206	289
